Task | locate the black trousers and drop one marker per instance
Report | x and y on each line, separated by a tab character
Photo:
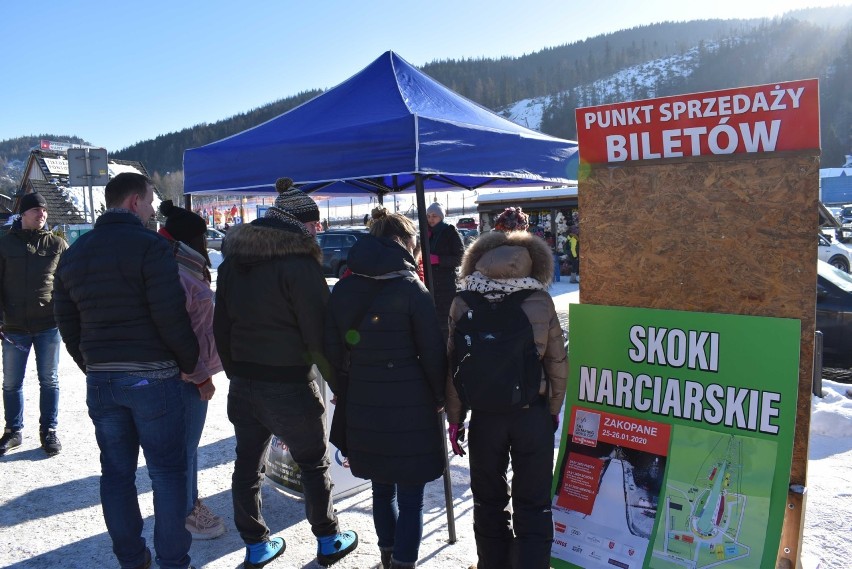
293	412
526	437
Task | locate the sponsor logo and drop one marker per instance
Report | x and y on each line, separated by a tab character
586	426
560	527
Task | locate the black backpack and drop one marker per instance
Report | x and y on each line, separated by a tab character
496	365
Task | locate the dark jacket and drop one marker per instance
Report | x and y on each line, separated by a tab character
270	304
118	297
396	379
446	243
499	256
28	259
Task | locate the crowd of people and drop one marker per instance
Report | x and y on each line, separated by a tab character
137	313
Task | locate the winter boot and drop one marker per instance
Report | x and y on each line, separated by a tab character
333	548
573	278
386	558
400	565
50	442
259	554
10	440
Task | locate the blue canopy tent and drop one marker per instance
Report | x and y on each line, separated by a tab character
388	128
378	131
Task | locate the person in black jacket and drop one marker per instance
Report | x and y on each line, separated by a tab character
446	250
268	325
384	318
28	257
119	305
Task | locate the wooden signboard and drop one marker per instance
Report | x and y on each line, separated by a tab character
708	203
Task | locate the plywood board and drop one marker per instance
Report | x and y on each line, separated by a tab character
733	236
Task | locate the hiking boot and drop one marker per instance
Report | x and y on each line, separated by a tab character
10	440
50	442
259	554
202	524
333	548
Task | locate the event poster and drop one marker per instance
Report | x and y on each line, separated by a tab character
677	441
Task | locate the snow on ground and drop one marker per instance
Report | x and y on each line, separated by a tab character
50	512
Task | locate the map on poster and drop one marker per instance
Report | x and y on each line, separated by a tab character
678	442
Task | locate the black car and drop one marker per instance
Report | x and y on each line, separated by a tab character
335	245
834	315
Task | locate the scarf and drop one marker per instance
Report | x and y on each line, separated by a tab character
496	289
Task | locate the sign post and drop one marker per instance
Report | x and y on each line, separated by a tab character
88	167
699	213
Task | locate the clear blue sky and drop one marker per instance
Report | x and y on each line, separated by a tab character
115	73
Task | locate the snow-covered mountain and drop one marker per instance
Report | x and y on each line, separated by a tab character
632	83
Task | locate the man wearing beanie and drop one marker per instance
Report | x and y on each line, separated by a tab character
446	248
29	254
271	298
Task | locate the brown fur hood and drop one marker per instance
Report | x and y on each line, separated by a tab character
516	254
247	243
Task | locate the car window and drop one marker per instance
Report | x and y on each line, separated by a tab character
835	276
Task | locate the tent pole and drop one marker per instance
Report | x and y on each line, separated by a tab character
425	251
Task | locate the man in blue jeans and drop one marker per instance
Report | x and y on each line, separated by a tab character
120	308
29	254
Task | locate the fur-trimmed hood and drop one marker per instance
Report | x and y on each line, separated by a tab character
516	254
249	244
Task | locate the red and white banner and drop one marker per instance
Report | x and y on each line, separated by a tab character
766	118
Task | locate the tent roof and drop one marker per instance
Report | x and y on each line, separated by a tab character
375	131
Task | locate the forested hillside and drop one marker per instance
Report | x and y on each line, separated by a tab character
656	60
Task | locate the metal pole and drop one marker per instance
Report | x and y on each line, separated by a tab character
448	482
89	179
425	250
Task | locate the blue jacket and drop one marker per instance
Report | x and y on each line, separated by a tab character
118	298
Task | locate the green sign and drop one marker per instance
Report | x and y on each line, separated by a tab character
677	440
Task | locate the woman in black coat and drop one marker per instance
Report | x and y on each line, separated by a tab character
446	251
382	320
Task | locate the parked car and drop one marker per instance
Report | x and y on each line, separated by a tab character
468	236
834	315
834	253
466	223
846	215
335	245
214	239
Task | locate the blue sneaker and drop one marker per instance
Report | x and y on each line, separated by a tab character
259	554
333	548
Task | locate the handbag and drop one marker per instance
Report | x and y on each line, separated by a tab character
337	431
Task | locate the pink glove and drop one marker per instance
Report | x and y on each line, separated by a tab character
453	431
433	259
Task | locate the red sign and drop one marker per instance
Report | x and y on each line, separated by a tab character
580	483
765	118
